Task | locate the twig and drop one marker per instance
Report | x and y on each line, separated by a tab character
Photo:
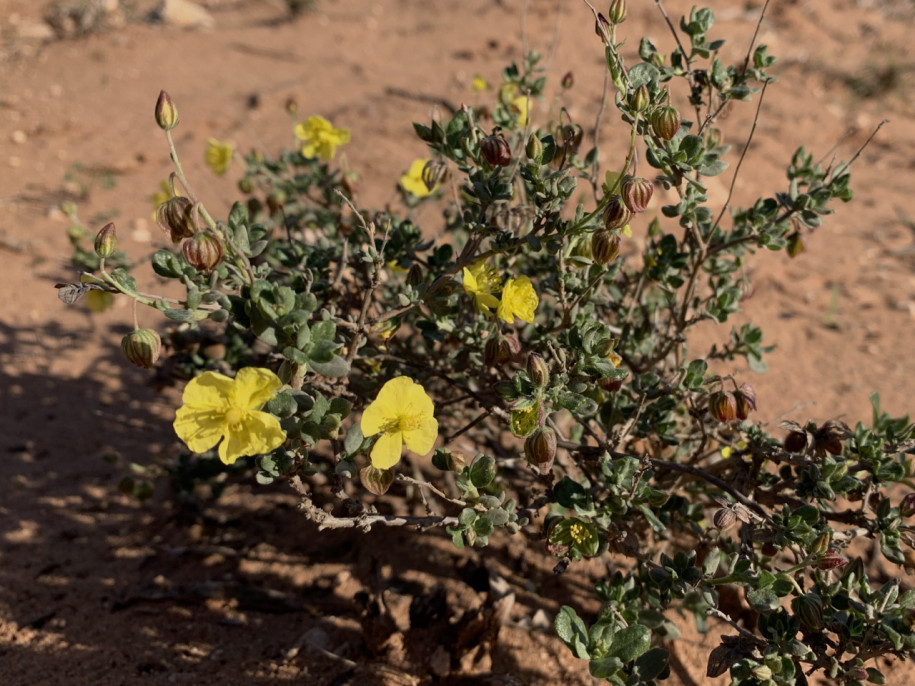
425	484
422	97
746	149
762	14
365	520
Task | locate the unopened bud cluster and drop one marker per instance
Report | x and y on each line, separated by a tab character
142	347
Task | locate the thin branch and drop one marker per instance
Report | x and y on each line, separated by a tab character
762	14
746	149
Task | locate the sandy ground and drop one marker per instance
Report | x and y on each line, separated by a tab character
97	589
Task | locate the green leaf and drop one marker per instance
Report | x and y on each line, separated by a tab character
763	599
352	442
570	626
482	471
166	264
604	667
653	664
631	642
334	368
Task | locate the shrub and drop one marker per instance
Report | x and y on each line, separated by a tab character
547	326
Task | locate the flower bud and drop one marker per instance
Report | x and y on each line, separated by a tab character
605	246
746	400
796	442
500	350
856	674
796	245
617	12
665	122
415	275
203	251
636	193
496	150
724	518
722	406
176	218
568	80
142	347
434	174
601	26
106	241
714	137
616	214
762	673
538	370
534	148
820	544
809	609
640	99
831	559
166	112
540	449
907	506
375	480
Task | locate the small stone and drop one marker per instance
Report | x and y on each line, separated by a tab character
184	14
18	137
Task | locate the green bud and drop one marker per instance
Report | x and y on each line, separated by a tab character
166	112
435	172
762	673
665	122
796	245
142	347
106	241
617	12
375	480
534	148
640	99
415	275
809	609
538	370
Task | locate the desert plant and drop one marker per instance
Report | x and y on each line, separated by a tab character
541	331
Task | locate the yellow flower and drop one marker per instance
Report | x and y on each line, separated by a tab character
479	83
320	138
218	156
521	105
519	299
412	182
217	408
402	414
480	282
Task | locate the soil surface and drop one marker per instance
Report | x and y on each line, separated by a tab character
97	588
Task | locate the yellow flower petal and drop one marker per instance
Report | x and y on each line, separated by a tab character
421	440
210	390
199	429
412	182
386	451
320	138
519	299
254	386
259	434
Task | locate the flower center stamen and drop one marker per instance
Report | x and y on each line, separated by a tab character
235	416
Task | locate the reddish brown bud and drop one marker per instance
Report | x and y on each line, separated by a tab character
203	251
106	241
665	122
568	80
496	150
724	518
605	246
142	347
500	350
540	449
636	193
722	406
831	559
907	506
746	400
166	112
176	218
616	214
601	26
